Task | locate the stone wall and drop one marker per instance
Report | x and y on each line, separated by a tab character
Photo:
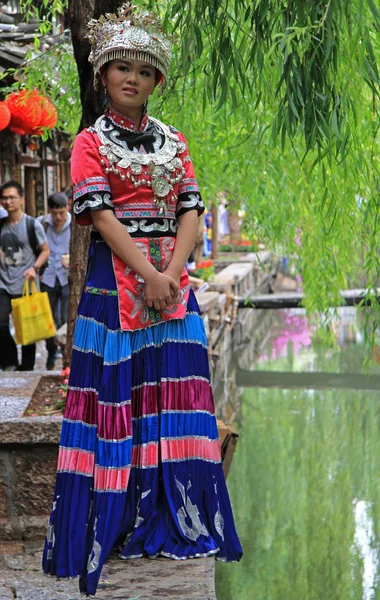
26	490
28	459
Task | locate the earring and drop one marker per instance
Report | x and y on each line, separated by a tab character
106	99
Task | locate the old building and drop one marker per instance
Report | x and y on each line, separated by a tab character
40	166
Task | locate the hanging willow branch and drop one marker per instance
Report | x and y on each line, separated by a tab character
295	50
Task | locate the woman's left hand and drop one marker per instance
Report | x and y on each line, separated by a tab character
176	278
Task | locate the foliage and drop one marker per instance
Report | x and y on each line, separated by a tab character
204	270
292	51
53	71
61	402
243	246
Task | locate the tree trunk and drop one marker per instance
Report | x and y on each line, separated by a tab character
215	232
79	241
199	242
81	11
234	225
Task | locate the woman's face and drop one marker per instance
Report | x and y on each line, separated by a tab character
129	83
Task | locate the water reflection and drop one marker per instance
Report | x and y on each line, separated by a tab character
366	542
304	481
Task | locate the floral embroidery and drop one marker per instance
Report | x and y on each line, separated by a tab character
155	253
100	291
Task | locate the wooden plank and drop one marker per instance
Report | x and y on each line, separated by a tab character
295	300
207	300
228	439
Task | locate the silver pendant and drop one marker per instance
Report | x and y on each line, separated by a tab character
181	147
136	169
177	163
161	187
158	172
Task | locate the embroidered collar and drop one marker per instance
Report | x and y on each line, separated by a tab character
124	122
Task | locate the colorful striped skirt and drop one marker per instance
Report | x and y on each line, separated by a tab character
139	467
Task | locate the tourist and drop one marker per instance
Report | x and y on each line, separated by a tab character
139	466
55	277
23	251
223	226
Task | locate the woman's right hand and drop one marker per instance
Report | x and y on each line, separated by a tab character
160	290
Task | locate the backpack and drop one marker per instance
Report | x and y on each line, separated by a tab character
32	237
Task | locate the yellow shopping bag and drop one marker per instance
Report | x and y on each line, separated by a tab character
32	316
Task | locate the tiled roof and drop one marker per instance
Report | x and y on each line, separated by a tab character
16	39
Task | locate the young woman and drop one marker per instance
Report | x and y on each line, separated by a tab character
139	464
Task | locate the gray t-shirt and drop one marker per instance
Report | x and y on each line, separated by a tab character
16	254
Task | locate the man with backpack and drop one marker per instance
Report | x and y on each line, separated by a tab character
23	251
55	278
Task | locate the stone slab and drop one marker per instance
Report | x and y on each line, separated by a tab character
257	258
139	579
12	407
31	430
238	271
207	300
16	390
220	286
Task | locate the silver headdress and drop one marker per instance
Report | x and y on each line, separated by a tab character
131	33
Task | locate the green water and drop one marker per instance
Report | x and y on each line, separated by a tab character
305	486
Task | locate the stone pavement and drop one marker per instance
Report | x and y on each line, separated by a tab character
17	388
141	579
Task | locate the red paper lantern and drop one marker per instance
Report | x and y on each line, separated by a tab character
32	146
49	116
5	115
30	112
25	110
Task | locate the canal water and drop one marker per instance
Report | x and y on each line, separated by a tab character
305	478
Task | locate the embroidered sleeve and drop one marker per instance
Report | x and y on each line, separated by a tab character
91	188
189	197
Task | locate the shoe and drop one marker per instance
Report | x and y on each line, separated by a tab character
50	367
11	368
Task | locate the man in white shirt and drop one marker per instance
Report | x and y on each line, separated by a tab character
57	226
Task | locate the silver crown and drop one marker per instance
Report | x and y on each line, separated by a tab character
131	34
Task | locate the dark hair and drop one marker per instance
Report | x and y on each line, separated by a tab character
68	191
15	184
58	200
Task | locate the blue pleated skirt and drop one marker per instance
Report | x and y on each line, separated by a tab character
139	468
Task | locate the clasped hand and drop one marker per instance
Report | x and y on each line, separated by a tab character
161	290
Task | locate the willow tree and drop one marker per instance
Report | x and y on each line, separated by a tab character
279	100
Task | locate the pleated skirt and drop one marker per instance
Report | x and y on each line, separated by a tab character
139	467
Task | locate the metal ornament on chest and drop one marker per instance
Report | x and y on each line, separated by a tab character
159	171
